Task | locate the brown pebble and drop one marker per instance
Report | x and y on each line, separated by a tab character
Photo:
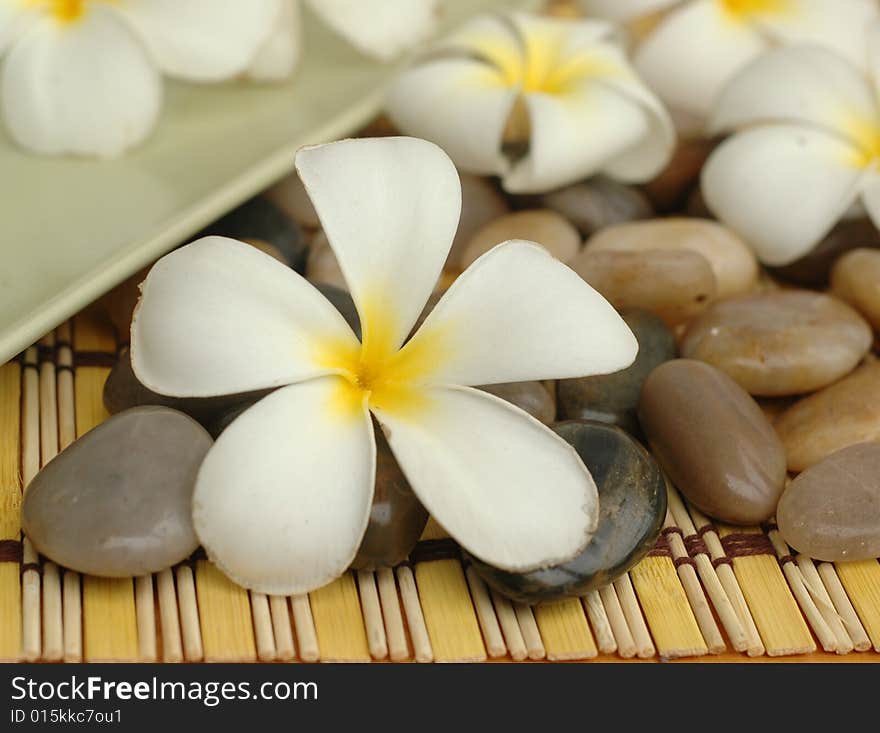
291	197
531	397
543	226
855	278
713	441
783	343
845	413
321	265
669	189
598	203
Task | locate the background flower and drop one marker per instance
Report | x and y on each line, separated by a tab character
283	498
693	50
83	76
541	102
806	148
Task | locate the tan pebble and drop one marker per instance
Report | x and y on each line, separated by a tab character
783	343
845	413
321	266
675	285
733	263
291	197
855	278
543	226
481	203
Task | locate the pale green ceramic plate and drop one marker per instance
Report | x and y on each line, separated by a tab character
72	229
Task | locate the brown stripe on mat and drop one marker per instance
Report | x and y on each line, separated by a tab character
10	503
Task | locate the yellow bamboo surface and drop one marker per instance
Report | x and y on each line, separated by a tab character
194	613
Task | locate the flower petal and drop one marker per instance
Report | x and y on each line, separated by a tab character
379	28
283	497
14	20
621	11
801	84
781	187
502	484
220	317
517	314
85	87
278	56
201	40
838	25
390	208
460	104
693	52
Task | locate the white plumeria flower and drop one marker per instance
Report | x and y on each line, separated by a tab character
694	49
84	76
381	29
562	88
807	150
283	498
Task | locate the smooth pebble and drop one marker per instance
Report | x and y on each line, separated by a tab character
855	278
531	397
543	226
598	203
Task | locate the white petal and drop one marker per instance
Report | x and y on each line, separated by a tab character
220	317
781	187
201	40
835	24
517	314
693	52
15	17
506	487
283	497
379	28
623	10
278	56
390	208
85	87
805	84
460	104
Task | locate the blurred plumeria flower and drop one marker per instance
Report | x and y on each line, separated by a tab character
806	149
283	498
539	101
84	76
692	50
381	29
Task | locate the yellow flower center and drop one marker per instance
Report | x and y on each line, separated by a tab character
386	376
749	9
63	11
866	134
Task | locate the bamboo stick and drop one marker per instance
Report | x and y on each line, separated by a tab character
513	637
146	618
529	629
339	623
486	615
414	617
169	621
190	624
72	606
10	511
32	630
372	610
686	568
225	616
626	645
53	628
718	596
861	579
395	632
816	588
73	650
282	628
844	607
599	621
264	636
634	619
564	630
727	578
448	612
306	637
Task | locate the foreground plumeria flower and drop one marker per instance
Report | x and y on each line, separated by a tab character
694	49
83	76
807	150
283	498
378	28
541	102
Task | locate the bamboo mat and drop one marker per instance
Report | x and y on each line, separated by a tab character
705	593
